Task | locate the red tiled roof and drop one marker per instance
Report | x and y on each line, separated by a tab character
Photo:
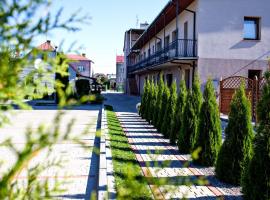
120	59
76	57
46	46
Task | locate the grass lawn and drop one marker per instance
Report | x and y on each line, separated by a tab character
130	183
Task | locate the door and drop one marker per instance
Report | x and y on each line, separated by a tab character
185	38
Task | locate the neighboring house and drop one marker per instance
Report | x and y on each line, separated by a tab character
120	73
112	81
215	39
79	65
45	49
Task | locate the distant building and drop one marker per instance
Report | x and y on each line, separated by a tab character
120	73
79	65
112	81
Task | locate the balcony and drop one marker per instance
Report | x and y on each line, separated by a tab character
181	48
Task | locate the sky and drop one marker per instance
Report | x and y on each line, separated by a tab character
103	38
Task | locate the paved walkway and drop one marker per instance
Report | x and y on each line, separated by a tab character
159	159
80	166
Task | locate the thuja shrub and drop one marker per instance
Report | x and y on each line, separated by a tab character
190	123
160	90
209	134
256	177
178	113
150	101
170	110
236	150
154	102
143	108
165	99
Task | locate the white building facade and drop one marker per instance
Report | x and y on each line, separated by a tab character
215	39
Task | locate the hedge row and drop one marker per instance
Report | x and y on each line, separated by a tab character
191	120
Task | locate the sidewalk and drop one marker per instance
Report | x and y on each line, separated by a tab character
151	148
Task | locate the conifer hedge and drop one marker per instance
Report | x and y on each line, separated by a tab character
189	129
154	102
178	113
149	101
209	134
165	99
144	103
256	177
236	150
160	90
170	109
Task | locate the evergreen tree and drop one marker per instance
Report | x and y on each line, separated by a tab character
209	134
165	99
190	124
160	90
256	178
154	102
144	103
236	150
170	110
151	100
178	114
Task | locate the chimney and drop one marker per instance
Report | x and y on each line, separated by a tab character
83	54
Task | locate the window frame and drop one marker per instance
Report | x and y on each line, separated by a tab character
257	21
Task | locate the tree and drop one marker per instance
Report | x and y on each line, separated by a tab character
162	112
209	134
256	177
154	101
190	124
160	90
150	101
170	110
144	102
236	150
178	114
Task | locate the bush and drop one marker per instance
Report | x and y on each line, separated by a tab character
165	99
82	87
153	102
178	113
189	129
170	109
256	179
160	91
209	135
143	108
236	150
150	101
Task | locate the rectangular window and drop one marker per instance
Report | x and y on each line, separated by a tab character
169	78
174	35
187	78
159	45
167	41
81	68
153	49
149	52
252	28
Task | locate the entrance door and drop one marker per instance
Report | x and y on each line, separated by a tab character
185	38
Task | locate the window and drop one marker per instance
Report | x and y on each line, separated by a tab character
159	45
187	78
153	49
252	73
169	79
174	35
251	28
149	52
81	68
167	41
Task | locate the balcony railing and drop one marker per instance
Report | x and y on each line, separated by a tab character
177	49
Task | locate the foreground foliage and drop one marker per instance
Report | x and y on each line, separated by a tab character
236	150
256	179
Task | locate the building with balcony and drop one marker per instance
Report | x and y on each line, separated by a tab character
214	39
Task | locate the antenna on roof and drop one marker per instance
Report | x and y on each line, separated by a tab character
137	21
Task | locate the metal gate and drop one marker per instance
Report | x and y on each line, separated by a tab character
229	85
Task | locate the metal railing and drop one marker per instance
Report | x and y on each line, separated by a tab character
176	49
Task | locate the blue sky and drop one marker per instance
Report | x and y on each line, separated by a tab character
104	37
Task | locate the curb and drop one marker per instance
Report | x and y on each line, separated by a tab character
106	181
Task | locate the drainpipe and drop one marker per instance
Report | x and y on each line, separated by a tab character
177	13
194	29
